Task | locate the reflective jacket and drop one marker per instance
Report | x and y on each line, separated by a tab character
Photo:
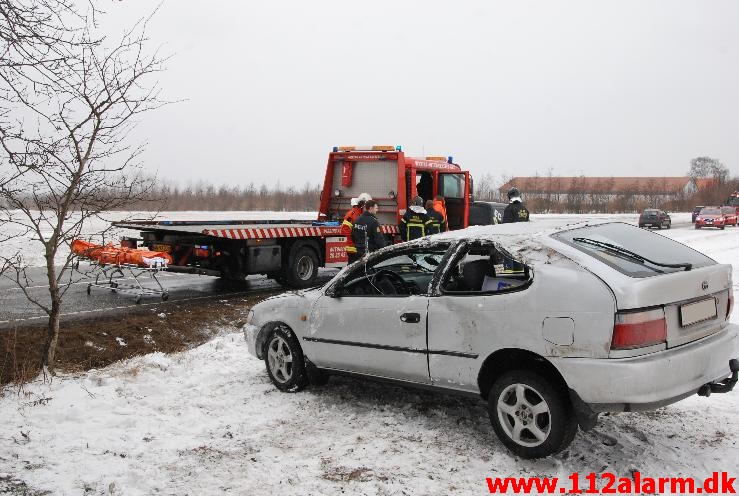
366	234
346	228
515	212
440	207
413	224
435	222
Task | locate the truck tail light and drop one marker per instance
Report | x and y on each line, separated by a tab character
201	252
639	329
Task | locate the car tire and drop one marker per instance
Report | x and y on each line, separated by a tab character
722	227
284	360
697	226
302	268
551	413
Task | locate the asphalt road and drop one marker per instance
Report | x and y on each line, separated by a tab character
15	308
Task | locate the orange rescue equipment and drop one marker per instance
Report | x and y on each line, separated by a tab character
116	255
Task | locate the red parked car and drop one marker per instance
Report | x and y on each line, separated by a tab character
729	214
710	217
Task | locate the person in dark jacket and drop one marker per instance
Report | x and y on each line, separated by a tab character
413	223
515	211
435	222
366	232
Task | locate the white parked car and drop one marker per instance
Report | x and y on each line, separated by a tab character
550	323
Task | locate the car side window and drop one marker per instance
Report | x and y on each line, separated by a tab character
397	274
482	268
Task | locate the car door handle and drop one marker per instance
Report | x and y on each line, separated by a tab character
411	318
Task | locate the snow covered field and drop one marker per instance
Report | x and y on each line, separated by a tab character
207	421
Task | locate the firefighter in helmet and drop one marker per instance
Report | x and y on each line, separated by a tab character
515	211
348	224
413	223
366	233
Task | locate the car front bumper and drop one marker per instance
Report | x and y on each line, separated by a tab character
654	380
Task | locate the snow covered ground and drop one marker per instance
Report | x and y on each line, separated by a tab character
207	421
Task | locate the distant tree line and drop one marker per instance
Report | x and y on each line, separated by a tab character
205	196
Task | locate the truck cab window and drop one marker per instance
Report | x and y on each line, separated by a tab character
483	269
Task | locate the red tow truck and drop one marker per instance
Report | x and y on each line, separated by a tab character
291	251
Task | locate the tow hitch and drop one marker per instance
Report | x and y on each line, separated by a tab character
722	386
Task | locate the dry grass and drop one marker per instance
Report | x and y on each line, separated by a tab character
102	340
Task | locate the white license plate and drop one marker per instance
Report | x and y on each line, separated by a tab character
699	311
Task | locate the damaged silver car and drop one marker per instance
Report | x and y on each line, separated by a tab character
550	323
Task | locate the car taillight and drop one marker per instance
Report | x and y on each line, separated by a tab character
638	329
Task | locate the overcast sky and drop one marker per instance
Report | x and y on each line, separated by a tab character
617	88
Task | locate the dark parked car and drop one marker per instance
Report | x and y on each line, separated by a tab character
696	211
655	218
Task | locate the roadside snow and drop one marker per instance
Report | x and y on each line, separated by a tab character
208	421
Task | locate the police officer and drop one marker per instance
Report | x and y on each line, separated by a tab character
515	211
435	222
413	223
366	233
348	225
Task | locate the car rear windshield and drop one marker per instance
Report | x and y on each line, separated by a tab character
648	245
710	211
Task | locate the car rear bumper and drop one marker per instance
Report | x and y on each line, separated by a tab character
654	380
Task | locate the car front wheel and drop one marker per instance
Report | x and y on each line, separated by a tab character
284	360
530	415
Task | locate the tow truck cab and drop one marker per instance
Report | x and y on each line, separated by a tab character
393	179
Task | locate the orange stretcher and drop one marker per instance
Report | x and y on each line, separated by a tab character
114	264
117	255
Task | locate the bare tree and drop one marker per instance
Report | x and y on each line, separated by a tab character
65	156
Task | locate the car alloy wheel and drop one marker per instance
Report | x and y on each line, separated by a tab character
524	415
531	413
280	359
284	359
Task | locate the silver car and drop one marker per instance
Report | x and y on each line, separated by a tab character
550	323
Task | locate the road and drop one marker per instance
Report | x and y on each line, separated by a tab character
15	308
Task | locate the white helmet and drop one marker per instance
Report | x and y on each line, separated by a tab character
364	197
354	202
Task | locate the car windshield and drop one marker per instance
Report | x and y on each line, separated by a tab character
710	211
633	251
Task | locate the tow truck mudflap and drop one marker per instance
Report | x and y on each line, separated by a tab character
725	385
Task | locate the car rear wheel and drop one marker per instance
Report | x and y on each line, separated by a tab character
284	359
531	416
697	226
302	268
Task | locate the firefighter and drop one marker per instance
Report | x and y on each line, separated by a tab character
366	233
346	227
440	206
413	223
435	222
515	211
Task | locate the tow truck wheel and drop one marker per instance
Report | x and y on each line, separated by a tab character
302	268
